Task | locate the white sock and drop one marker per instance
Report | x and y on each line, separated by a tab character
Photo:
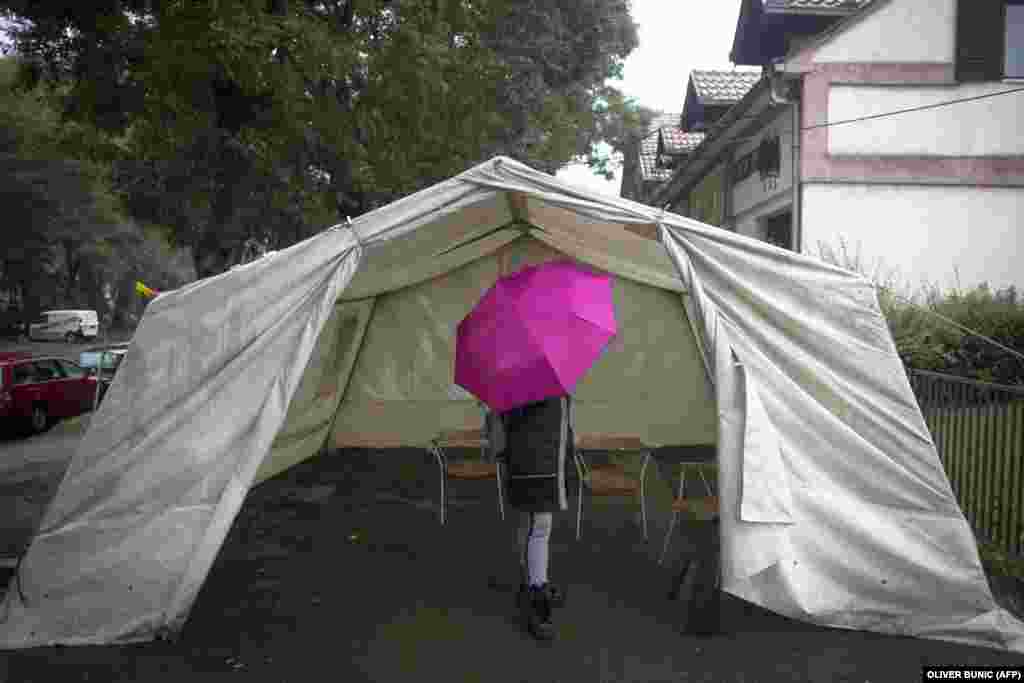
534	535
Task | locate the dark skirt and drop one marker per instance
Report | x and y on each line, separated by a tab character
538	451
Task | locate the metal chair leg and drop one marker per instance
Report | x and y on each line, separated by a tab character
675	517
442	465
643	499
707	486
579	493
668	538
501	502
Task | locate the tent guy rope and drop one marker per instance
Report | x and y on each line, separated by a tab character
963	328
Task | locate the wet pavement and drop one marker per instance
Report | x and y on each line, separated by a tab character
339	570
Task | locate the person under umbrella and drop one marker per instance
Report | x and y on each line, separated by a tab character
536	442
522	350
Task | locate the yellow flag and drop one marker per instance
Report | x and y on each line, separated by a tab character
144	290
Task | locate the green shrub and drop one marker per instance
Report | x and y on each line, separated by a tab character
927	341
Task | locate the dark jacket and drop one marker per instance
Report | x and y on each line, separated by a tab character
538	447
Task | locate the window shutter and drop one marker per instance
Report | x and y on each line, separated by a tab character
979	40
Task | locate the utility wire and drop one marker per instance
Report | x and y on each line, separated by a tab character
870	117
897	111
923	107
968	330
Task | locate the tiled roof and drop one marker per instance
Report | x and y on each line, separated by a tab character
675	140
723	87
649	160
649	149
829	6
662	120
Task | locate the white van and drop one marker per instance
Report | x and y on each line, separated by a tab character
65	325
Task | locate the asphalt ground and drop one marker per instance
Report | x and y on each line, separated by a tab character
338	570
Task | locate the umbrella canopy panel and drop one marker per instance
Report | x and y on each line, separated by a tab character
534	334
649	382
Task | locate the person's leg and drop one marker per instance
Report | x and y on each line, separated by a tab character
538	548
533	540
534	595
525	520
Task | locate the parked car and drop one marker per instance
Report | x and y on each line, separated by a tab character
36	392
103	361
68	326
112	346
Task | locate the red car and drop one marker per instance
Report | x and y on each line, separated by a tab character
38	391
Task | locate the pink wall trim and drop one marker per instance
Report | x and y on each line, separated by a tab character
879	72
815	162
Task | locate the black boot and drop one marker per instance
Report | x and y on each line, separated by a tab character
557	596
536	607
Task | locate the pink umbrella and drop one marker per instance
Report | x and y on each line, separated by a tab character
534	334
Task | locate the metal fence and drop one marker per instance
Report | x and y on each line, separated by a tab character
978	428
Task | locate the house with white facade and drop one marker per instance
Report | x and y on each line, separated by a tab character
893	127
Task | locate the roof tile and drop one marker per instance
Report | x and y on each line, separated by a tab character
662	120
675	140
649	160
723	87
649	170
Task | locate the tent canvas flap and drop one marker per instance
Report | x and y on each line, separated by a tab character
157	480
747	548
876	539
764	494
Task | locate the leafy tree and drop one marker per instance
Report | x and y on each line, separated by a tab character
65	242
253	119
54	205
619	124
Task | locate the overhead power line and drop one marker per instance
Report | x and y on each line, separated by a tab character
908	110
870	117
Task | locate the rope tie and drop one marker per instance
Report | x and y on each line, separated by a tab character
355	233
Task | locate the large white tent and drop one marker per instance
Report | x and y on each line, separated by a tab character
835	506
